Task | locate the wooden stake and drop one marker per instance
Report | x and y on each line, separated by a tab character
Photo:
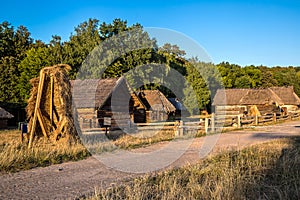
42	123
37	105
51	102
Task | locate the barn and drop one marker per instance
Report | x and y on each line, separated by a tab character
256	101
290	100
4	117
93	100
158	107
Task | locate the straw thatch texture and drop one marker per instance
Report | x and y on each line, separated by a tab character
62	127
4	114
287	94
155	100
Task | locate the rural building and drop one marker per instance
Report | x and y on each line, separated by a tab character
4	116
93	99
290	100
256	101
158	107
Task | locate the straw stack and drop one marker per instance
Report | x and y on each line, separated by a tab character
62	126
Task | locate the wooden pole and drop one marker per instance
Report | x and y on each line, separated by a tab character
274	117
239	121
37	106
42	123
206	123
51	102
256	119
180	128
213	122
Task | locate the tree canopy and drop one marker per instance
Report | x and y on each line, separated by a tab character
119	48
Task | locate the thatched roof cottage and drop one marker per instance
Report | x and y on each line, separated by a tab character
256	101
158	107
4	116
99	99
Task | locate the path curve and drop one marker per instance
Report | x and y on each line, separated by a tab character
74	179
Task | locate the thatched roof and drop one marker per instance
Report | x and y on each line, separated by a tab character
4	114
91	93
155	100
287	95
275	95
260	97
229	96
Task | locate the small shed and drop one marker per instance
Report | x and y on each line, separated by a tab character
158	107
4	117
96	106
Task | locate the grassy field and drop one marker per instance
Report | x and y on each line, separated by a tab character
15	156
265	171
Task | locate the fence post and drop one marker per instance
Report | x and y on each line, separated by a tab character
256	120
176	128
81	122
180	128
213	122
206	123
91	123
239	121
274	117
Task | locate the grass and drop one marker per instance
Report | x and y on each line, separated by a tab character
266	171
15	155
144	139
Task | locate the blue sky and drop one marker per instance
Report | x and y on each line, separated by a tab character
243	32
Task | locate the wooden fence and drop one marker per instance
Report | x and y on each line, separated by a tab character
211	124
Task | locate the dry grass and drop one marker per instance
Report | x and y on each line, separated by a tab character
265	171
144	139
15	155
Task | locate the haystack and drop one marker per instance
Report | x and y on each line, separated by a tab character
49	108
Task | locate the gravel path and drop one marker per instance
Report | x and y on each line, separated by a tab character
75	179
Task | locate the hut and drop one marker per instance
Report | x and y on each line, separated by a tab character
158	107
96	106
290	100
4	117
247	101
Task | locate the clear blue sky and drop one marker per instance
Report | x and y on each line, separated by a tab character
243	32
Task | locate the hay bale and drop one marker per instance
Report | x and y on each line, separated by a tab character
62	127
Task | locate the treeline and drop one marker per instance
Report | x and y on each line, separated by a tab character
235	76
22	57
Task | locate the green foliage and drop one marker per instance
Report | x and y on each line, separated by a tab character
121	48
204	80
9	79
13	45
35	60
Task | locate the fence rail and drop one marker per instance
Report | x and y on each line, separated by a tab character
206	125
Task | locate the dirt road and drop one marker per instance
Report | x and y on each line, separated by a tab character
74	179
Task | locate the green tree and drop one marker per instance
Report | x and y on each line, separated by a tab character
9	80
13	45
30	67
